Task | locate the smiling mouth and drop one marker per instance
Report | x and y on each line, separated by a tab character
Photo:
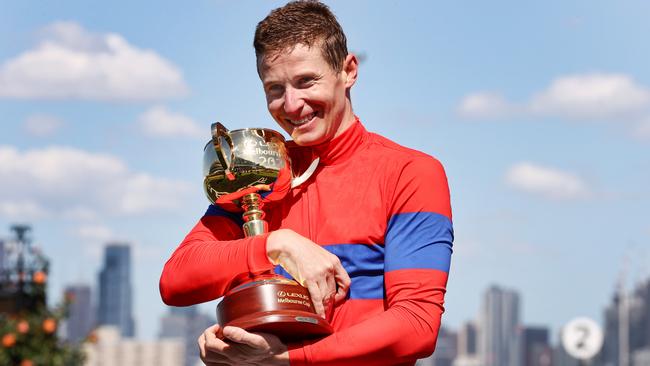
298	123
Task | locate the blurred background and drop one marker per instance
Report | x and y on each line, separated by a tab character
539	111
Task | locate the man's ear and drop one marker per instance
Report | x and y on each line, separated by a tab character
350	70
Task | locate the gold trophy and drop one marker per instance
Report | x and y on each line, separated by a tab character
237	165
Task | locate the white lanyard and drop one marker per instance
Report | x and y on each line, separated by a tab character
296	181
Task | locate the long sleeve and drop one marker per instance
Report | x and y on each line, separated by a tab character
417	249
213	258
384	210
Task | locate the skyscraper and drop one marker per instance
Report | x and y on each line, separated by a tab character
499	323
610	353
467	339
115	303
467	346
536	350
81	318
185	323
627	327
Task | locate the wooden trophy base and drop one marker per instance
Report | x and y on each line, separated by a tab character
274	305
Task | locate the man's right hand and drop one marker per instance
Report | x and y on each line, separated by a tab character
312	266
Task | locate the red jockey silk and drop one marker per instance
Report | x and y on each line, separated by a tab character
383	209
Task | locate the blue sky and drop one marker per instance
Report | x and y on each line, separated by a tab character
540	113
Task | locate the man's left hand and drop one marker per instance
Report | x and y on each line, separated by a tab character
235	346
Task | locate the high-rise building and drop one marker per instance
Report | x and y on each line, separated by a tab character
610	353
81	319
115	302
627	327
498	326
640	324
467	339
185	323
467	346
535	347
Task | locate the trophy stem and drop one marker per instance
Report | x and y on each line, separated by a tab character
254	223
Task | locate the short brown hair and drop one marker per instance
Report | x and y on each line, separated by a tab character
305	22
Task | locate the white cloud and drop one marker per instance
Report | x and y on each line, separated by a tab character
158	121
580	96
93	232
93	238
72	63
26	209
592	96
73	183
485	105
142	192
547	182
41	125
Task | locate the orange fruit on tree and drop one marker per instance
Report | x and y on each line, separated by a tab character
8	340
49	325
22	327
39	277
26	363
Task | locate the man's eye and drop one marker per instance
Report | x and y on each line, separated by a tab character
306	81
274	88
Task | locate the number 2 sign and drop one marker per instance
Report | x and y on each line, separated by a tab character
582	338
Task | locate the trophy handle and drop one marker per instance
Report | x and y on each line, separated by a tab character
224	148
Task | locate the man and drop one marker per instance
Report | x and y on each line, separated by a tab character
369	231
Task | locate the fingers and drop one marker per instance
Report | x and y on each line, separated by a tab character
330	287
213	344
329	301
343	284
216	329
241	336
201	342
316	297
211	347
320	271
322	293
341	294
232	346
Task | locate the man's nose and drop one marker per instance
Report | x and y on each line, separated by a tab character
293	101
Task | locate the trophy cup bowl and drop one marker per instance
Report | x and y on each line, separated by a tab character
237	165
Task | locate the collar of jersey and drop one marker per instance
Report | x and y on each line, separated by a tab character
342	147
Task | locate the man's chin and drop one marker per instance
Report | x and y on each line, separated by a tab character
307	140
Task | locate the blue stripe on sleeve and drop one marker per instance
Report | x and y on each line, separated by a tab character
419	240
215	210
364	264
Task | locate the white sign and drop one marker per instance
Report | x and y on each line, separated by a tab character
582	338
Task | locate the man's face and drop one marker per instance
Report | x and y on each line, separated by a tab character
305	96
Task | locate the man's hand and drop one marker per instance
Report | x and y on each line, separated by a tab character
235	346
312	266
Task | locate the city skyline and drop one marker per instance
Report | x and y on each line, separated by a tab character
540	113
495	336
498	337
